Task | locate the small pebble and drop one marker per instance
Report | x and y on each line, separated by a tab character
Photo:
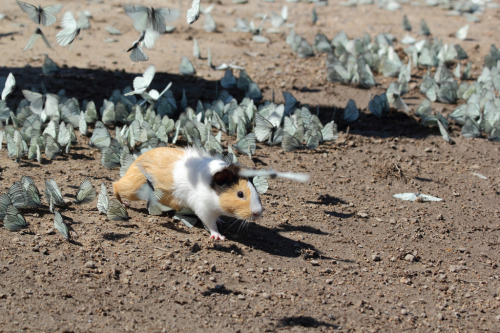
376	257
90	264
410	257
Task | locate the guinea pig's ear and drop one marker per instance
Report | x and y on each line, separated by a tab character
224	177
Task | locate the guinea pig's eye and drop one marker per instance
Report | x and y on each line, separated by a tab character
241	195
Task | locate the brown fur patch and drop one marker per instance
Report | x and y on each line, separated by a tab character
159	164
232	204
225	178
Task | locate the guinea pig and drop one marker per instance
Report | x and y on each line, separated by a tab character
191	178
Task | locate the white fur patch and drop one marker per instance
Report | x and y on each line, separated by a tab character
255	204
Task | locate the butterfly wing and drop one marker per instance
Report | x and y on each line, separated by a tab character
86	192
139	15
290	142
70	30
141	83
60	225
35	99
10	83
116	211
102	200
193	13
263	128
31	10
48	14
150	38
18	196
261	184
13	221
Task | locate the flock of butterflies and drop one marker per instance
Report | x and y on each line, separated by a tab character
149	21
354	62
24	195
45	123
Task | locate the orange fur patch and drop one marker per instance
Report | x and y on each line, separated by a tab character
232	204
158	164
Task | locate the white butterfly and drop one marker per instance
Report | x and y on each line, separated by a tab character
71	29
149	18
193	13
34	37
40	15
295	176
138	53
39	103
10	84
141	83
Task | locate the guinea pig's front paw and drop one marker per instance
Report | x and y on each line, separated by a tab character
216	236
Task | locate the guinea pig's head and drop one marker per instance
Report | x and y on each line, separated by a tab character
237	195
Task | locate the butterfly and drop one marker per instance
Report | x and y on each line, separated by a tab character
42	102
269	130
462	32
40	15
193	13
49	67
443	125
101	138
12	220
351	112
116	211
10	84
102	200
209	24
416	197
32	191
246	145
141	83
86	192
52	147
60	225
71	29
4	203
53	194
138	53
295	176
145	18
18	195
470	128
186	67
151	195
38	33
186	216
16	146
261	184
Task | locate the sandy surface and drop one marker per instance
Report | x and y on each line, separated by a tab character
338	253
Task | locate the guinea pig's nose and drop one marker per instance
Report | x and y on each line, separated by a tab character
257	213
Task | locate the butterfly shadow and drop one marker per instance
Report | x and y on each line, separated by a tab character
327	200
301	228
305	322
172	225
218	290
115	236
8	34
339	215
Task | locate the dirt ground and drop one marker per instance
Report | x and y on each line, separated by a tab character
339	253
